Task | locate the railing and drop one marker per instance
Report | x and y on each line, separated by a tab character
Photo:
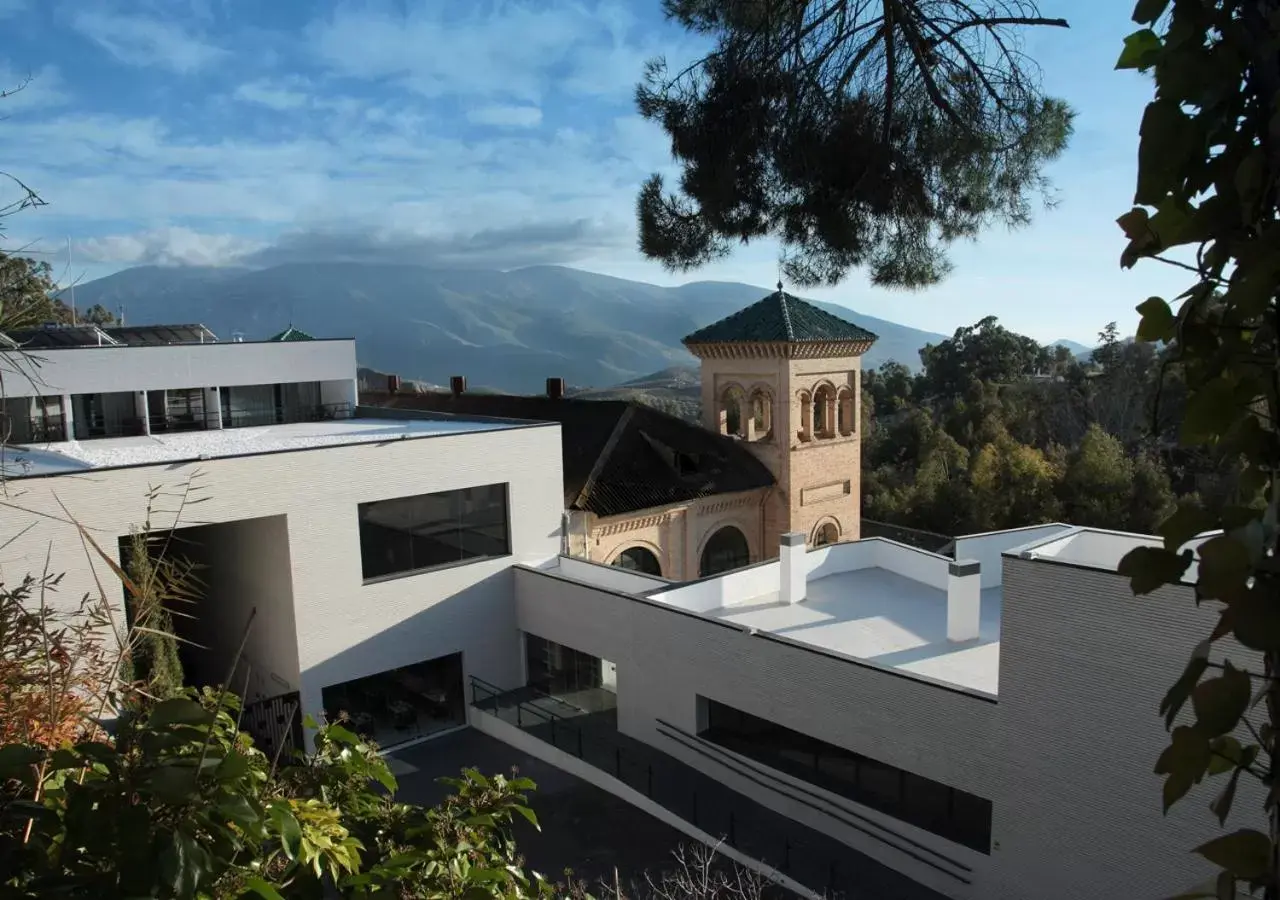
276	726
285	415
34	430
915	537
821	863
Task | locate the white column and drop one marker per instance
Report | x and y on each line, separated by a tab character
794	579
212	408
68	418
964	600
141	411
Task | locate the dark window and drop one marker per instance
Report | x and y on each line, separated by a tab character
410	534
922	802
638	559
727	549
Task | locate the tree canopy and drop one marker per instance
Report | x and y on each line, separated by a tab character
856	132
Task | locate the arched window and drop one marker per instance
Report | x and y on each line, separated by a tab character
806	417
727	549
733	411
761	414
827	533
638	559
824	411
846	412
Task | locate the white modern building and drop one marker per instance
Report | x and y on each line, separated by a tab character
981	726
373	554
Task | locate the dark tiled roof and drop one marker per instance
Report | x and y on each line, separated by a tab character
618	456
161	335
47	336
291	334
780	317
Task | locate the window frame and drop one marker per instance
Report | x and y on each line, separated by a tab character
504	493
899	793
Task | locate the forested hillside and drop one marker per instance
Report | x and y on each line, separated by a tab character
997	431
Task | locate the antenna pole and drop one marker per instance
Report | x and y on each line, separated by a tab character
73	282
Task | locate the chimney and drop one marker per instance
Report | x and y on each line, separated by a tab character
393	383
458	384
555	388
964	600
794	579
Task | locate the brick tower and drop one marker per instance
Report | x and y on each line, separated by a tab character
784	377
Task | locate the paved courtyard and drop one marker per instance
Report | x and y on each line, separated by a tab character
584	828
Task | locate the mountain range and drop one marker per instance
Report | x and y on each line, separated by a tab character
504	330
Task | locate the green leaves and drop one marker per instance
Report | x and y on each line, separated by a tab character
1158	321
1141	49
1220	702
179	711
1178	695
1150	568
1244	853
1184	763
287	828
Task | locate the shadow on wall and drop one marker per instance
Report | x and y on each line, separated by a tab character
477	621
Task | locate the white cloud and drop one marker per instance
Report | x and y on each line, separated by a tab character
146	41
512	51
280	96
166	247
10	8
506	116
22	91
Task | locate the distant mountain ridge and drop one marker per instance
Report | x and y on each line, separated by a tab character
504	330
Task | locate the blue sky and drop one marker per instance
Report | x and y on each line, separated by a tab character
473	133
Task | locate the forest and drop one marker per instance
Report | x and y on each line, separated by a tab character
997	431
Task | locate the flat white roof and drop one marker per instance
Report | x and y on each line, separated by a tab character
883	618
102	453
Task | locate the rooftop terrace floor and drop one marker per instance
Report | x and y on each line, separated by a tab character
80	456
886	619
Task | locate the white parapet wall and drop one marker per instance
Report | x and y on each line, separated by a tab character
988	547
100	370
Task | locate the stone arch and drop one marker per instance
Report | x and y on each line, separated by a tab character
733	410
846	412
824	410
726	548
641	558
805	432
761	406
827	531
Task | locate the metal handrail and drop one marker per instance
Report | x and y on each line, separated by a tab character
620	755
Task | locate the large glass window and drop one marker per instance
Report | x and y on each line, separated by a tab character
945	811
725	550
411	534
638	559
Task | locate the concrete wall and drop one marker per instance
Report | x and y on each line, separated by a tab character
986	548
345	628
611	577
245	565
666	658
85	370
1084	665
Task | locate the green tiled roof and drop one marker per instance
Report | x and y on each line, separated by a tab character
291	334
780	317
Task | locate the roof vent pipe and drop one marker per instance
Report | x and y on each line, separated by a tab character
458	384
793	577
555	388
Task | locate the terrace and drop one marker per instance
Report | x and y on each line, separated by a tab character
64	457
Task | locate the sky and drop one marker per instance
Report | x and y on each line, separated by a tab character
475	133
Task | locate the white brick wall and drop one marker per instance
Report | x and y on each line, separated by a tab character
1065	756
1084	665
666	659
345	629
84	370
